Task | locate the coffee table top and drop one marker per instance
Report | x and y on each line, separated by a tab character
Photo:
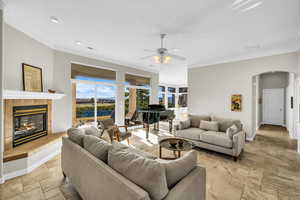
166	143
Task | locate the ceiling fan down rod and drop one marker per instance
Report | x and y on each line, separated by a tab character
162	36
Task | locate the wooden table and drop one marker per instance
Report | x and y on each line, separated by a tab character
181	145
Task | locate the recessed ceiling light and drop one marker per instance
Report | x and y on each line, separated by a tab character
90	48
54	20
175	49
78	43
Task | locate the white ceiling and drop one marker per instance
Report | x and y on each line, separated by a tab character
205	31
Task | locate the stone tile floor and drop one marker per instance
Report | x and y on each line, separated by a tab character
268	169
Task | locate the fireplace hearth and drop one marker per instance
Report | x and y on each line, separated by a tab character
30	123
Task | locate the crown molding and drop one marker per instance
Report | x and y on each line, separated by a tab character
272	52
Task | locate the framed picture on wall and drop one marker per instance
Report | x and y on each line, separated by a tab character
236	102
32	78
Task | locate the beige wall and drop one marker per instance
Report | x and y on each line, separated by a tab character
20	48
211	87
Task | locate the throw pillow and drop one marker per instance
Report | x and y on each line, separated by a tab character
146	173
225	123
91	130
195	119
231	131
179	168
96	146
76	135
185	124
209	125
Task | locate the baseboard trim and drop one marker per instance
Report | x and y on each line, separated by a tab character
30	168
1	180
264	123
250	139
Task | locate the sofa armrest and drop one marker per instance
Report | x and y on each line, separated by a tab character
191	187
238	143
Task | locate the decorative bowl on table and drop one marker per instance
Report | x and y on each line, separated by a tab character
173	143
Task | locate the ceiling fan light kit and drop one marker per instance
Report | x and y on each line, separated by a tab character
162	56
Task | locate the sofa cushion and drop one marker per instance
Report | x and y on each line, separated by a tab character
209	125
91	130
96	146
195	120
185	124
179	168
119	145
231	131
76	135
224	123
190	133
216	138
146	173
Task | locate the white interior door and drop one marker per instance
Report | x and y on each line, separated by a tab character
273	106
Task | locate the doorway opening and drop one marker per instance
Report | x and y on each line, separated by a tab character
273	100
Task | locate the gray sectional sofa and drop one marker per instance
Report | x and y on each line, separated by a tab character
100	170
213	133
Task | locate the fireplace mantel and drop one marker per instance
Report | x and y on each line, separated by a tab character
15	94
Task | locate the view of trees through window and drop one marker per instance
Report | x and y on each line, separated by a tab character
182	100
161	95
176	97
136	99
171	97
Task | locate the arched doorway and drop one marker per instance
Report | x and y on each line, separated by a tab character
269	82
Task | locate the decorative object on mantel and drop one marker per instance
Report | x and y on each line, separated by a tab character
51	91
32	78
236	102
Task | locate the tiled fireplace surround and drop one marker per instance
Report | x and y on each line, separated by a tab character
8	116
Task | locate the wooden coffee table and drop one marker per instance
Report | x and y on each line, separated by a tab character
179	145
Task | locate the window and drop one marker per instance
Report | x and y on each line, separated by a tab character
171	97
85	103
161	95
182	100
95	93
171	89
183	90
94	102
137	95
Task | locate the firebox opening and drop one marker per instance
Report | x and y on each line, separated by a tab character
30	123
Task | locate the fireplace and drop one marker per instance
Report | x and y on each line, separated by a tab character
29	123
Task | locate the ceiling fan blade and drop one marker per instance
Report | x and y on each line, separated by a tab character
176	56
147	57
149	50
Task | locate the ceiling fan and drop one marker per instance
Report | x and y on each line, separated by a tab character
162	55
